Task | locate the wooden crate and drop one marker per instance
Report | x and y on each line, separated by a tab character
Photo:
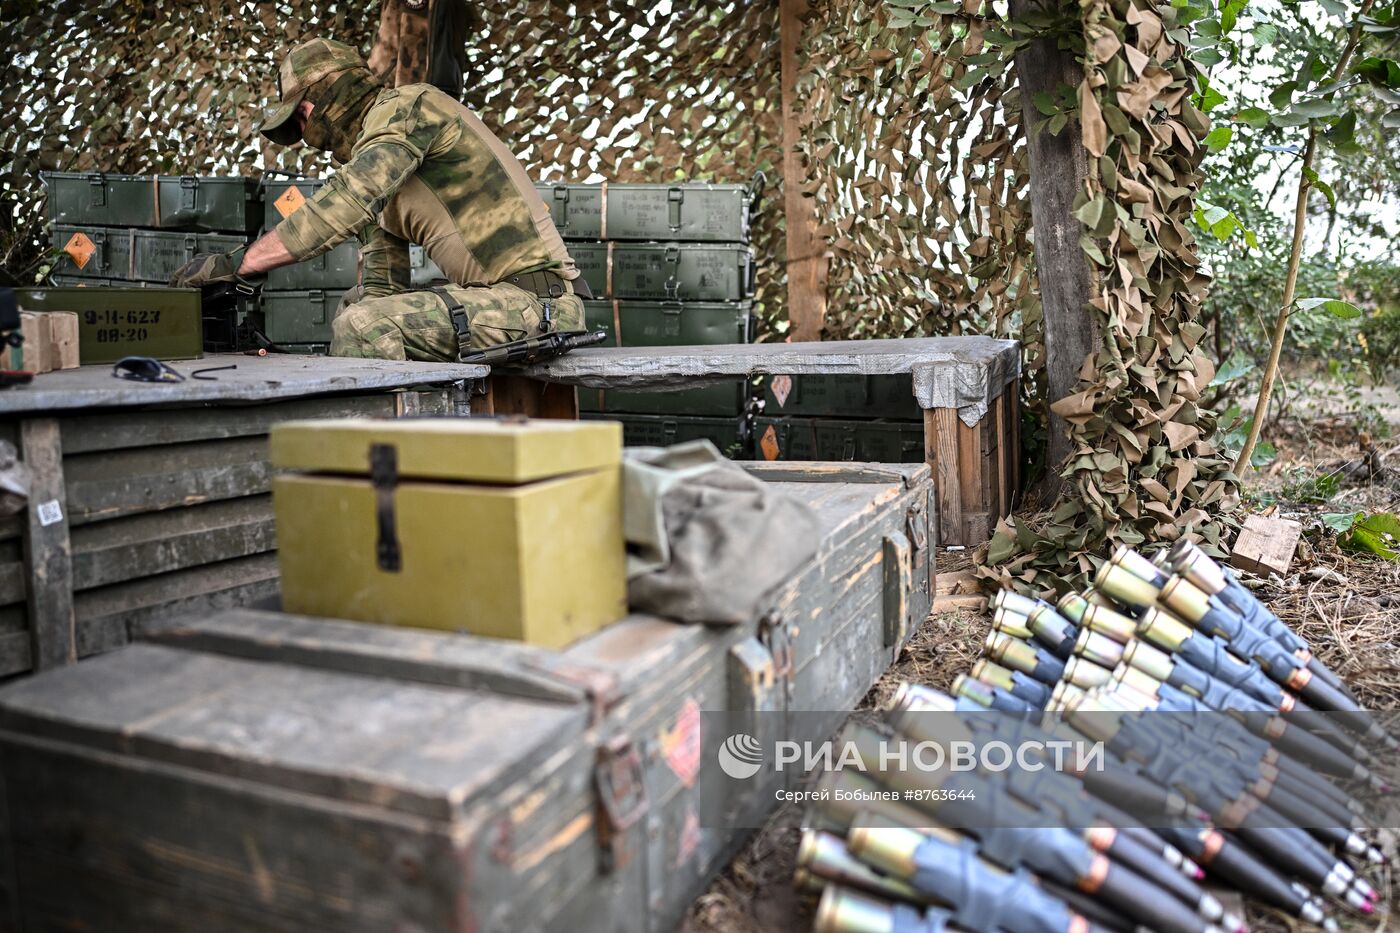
254	770
138	512
955	380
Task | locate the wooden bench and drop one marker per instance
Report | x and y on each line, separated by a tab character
968	388
148	499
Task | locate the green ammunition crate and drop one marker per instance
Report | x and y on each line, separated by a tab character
663	324
338	269
846	396
131	254
663	431
695	212
784	439
666	271
116	321
799	438
177	202
299	317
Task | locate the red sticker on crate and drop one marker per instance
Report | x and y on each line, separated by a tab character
680	744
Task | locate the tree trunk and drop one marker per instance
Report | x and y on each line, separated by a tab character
806	251
1058	167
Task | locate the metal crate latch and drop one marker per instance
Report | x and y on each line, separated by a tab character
622	798
384	477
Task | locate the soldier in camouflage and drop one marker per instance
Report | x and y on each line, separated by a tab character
416	167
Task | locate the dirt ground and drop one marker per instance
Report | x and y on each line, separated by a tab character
1346	604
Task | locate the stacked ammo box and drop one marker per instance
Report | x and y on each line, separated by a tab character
668	265
840	417
299	301
137	230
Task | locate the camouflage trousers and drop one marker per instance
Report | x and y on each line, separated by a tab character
415	325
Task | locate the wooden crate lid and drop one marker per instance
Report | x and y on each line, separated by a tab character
468	449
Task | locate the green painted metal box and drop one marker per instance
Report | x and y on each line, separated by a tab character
115	321
180	202
800	438
661	324
299	317
666	271
844	396
784	438
730	435
338	269
370	778
132	254
611	211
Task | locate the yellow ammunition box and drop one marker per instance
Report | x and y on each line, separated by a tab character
495	528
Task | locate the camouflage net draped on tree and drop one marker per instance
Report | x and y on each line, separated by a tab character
1145	467
913	141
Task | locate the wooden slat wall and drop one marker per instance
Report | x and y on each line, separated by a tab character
976	469
164	511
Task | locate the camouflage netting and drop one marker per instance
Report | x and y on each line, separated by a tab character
913	142
1144	468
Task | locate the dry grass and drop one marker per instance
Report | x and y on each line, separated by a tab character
1346	605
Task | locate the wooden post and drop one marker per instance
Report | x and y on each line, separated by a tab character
47	549
1058	167
806	251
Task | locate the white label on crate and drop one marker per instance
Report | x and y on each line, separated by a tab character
50	513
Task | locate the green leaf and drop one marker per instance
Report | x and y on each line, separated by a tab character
1340	522
1218	138
1045	103
1384	72
1326	189
1265	34
1379	534
1263	455
1342	134
1207	58
1255	117
1250	239
1333	306
1283	95
1210	100
1315	107
1391	120
1233	368
1336	8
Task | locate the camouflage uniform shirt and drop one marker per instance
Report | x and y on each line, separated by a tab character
426	170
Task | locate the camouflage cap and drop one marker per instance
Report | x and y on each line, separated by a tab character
306	64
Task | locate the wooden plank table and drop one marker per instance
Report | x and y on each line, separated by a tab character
151	498
968	388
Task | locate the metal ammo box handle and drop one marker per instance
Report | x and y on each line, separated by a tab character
559	206
97	189
675	197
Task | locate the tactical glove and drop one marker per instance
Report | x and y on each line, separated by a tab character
211	269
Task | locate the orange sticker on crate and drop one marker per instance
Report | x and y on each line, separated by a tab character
769	444
79	249
680	744
289	202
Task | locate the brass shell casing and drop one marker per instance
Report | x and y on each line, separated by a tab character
1136	679
1064	692
1011	623
1109	622
1011	652
890	850
990	672
844	911
1086	674
1072	606
1128	589
1185	599
1163	630
1014	602
1138	566
1152	661
1100	649
1197	566
974	690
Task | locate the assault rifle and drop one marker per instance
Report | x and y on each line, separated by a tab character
529	350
